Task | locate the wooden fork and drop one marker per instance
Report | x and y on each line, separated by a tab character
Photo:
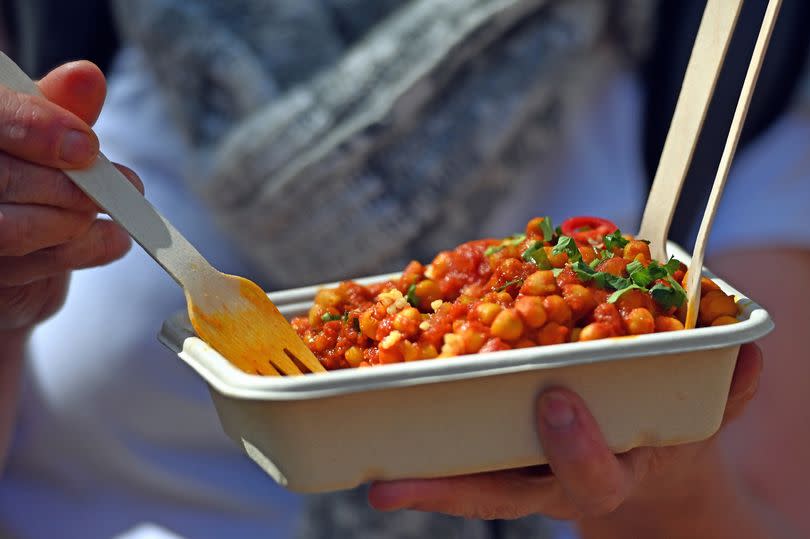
232	314
751	76
709	51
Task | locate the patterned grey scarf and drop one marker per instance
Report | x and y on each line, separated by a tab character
338	138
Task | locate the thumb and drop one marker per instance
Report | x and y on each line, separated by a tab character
79	87
589	473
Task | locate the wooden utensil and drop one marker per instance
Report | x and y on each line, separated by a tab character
702	72
754	67
232	314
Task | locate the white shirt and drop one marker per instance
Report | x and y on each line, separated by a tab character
117	438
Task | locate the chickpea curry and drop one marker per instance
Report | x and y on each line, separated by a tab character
581	281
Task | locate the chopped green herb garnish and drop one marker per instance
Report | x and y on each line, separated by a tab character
615	239
537	254
329	317
668	296
673	265
595	262
567	245
492	249
508	284
556	271
583	270
619	293
644	276
356	323
512	241
546	229
601	278
411	296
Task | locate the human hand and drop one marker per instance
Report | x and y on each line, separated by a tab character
48	226
588	480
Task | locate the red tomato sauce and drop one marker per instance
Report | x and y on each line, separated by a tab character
537	288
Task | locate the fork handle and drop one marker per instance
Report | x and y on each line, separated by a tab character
116	195
702	72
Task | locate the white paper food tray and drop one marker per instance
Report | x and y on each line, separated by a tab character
467	414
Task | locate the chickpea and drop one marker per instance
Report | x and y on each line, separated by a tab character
615	266
439	267
558	310
639	321
494	345
532	310
427	291
588	253
369	324
315	315
487	312
579	299
706	284
391	355
473	340
533	230
594	331
714	305
634	299
667	323
540	283
410	351
507	325
328	297
609	314
453	345
504	297
413	271
635	248
525	343
558	260
724	320
407	321
428	351
552	333
354	356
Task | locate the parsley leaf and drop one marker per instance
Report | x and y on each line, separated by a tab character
668	296
566	244
673	265
619	293
411	296
583	270
508	284
601	278
615	239
556	271
546	229
644	276
329	317
512	241
537	254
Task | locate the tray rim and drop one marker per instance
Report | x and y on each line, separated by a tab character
177	335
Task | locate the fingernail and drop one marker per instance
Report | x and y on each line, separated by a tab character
557	411
77	147
385	496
